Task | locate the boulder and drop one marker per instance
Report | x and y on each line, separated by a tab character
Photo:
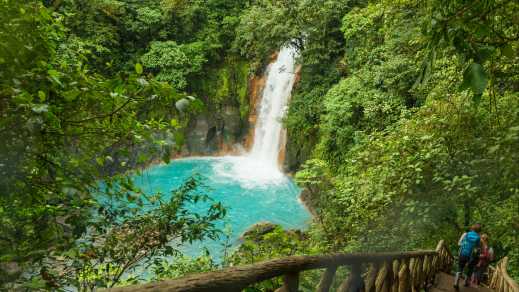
259	229
196	134
231	121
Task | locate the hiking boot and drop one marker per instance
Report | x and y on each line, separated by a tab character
456	281
467	282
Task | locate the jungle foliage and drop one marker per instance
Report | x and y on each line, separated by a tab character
403	128
418	138
82	101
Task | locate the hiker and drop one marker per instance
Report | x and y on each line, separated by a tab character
468	255
485	257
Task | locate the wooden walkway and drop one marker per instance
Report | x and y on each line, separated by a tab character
445	283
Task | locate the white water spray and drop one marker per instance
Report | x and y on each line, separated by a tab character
280	80
260	166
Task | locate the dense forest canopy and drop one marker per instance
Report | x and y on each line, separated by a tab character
403	127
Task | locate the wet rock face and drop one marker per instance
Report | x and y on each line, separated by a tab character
232	123
213	132
196	135
225	93
297	153
294	156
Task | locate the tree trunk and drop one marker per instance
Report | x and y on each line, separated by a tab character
466	210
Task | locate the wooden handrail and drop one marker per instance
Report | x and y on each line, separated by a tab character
403	271
500	281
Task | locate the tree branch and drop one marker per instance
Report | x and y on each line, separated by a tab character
104	115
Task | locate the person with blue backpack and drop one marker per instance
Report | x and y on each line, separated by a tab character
469	243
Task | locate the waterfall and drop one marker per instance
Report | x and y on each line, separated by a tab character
259	167
280	77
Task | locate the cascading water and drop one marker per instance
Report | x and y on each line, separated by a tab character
260	166
280	80
251	186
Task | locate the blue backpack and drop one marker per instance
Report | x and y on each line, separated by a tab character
469	244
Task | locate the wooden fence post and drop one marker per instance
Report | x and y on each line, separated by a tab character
384	277
327	279
354	281
290	283
403	276
394	280
369	282
415	277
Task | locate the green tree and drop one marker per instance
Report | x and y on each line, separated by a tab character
122	238
482	33
65	127
313	27
174	63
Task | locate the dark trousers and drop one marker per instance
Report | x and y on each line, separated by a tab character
480	273
468	262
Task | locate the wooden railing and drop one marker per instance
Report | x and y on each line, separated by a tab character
500	281
389	272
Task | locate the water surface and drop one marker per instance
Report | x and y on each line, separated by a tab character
250	190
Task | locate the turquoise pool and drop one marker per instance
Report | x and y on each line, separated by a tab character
251	191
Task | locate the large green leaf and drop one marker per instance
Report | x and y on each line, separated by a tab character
138	68
475	78
508	51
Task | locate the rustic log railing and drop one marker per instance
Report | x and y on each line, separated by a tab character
388	272
500	281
